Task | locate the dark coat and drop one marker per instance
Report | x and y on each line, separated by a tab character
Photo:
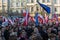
6	34
13	37
29	32
43	35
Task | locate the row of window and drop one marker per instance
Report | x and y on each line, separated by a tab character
18	11
17	3
37	9
32	9
32	1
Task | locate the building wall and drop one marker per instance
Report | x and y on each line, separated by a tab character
17	5
3	5
46	2
31	5
0	5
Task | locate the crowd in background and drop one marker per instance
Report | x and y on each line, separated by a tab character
15	30
49	31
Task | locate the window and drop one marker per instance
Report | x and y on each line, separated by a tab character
4	1
48	0
27	1
31	9
17	4
22	11
37	0
32	1
43	1
22	4
0	6
55	1
55	9
11	4
14	4
28	8
37	8
14	11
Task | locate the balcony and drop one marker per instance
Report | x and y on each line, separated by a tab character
30	4
45	3
17	7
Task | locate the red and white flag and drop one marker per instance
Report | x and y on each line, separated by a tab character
25	23
31	19
46	18
10	21
5	19
40	18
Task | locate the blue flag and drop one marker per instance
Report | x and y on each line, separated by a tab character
45	7
36	18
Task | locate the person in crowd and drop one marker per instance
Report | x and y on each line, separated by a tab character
17	31
29	31
23	35
53	36
6	33
43	33
58	37
12	35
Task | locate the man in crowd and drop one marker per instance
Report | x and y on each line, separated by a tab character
6	33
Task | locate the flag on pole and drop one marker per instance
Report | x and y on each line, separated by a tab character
36	18
26	19
40	18
46	18
45	7
24	13
10	21
55	17
5	19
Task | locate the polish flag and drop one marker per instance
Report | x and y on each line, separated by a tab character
31	19
10	21
46	18
5	19
40	18
55	17
25	23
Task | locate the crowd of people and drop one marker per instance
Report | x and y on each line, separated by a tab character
15	30
49	31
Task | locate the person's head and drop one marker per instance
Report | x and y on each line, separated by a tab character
7	27
36	37
59	32
53	36
35	29
3	29
49	30
58	28
0	27
12	30
23	31
44	27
